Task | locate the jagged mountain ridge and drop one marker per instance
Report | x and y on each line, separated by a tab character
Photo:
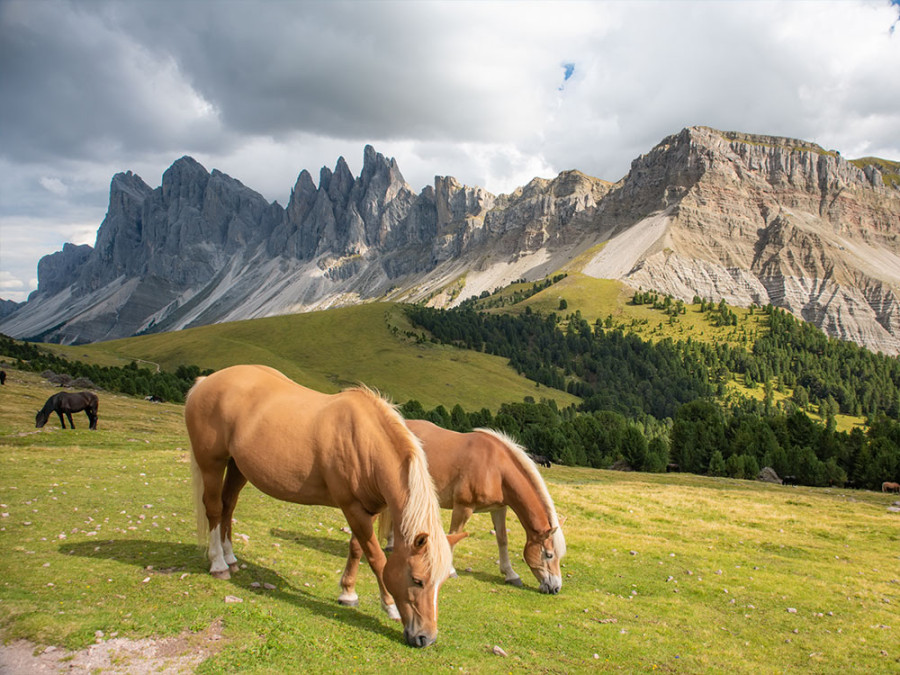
749	218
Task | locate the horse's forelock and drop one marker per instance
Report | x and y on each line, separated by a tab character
520	456
421	512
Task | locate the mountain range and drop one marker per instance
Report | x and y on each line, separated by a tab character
748	218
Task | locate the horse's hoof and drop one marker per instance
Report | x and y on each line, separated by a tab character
234	567
223	574
517	582
454	574
347	602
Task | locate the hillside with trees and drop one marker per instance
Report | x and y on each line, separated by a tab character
647	405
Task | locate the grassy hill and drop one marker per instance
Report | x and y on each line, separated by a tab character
331	350
667	572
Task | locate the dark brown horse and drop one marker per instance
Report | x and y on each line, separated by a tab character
65	403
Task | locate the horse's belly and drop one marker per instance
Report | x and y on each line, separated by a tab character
285	478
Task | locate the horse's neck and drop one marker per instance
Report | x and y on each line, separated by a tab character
524	498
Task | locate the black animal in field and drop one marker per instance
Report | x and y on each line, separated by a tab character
65	403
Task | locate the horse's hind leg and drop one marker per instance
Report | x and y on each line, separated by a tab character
458	520
234	483
499	518
210	495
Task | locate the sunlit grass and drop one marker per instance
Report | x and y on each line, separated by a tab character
664	572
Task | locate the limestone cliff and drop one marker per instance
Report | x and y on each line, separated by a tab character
759	219
752	219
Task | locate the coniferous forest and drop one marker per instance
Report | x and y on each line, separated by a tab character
645	405
650	406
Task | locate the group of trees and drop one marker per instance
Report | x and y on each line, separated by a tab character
130	379
704	438
649	405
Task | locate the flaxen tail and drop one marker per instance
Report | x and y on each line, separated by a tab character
199	508
197	481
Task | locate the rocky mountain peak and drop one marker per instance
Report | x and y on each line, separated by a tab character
749	218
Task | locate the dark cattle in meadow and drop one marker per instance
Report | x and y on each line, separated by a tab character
540	460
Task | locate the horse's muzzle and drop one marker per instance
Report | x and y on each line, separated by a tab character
551	586
419	639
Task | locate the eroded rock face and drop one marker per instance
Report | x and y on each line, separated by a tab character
752	219
758	219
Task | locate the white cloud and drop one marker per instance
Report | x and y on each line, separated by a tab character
54	185
263	90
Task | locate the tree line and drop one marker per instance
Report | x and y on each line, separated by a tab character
130	379
648	405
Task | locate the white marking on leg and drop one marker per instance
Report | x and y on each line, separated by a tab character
505	565
390	610
348	598
228	552
216	554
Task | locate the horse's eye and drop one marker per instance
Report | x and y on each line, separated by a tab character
548	555
418	582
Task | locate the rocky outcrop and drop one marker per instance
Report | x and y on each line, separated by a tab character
759	219
752	219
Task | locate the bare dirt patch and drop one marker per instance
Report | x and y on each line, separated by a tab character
181	654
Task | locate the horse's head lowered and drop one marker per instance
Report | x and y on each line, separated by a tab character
41	418
414	583
543	552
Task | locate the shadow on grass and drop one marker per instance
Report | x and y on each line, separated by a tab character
172	558
336	547
529	585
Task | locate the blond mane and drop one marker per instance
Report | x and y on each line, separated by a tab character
517	452
421	513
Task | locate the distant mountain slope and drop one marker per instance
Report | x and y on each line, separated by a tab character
748	218
312	349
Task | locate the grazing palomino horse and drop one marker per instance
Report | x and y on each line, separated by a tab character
887	486
349	450
65	403
485	470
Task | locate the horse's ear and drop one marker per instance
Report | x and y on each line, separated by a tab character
549	533
454	539
419	542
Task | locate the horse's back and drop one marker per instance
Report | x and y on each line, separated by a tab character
245	399
466	467
289	441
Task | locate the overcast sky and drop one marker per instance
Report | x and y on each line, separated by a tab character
493	93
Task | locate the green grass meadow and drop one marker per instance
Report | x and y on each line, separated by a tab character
331	350
668	572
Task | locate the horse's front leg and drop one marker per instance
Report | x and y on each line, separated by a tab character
361	524
348	596
499	518
62	420
458	520
71	423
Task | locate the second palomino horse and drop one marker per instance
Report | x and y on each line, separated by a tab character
485	470
349	450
